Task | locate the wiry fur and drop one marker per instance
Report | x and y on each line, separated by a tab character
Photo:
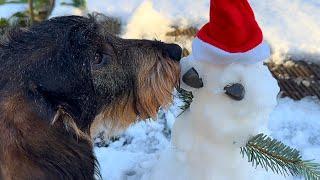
30	149
154	87
57	77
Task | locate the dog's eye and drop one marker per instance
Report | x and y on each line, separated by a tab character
100	60
97	59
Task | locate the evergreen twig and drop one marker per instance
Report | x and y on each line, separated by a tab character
273	155
186	97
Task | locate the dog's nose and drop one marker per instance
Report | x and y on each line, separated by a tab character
174	51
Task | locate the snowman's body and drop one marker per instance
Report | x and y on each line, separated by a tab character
206	139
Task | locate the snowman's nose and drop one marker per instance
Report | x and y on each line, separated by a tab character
235	91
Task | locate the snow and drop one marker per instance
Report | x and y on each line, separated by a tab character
179	11
9	9
147	23
292	27
144	151
295	123
138	148
144	157
206	139
60	9
124	159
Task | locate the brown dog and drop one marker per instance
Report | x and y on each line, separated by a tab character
57	76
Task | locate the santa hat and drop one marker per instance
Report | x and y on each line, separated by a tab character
231	36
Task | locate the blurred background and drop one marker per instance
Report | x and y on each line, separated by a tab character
27	12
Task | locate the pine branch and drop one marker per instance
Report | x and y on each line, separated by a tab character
186	97
273	155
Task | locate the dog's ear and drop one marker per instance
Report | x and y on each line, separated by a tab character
191	78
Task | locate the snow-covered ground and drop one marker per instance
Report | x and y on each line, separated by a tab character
295	123
291	26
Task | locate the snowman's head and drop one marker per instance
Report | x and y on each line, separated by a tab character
229	117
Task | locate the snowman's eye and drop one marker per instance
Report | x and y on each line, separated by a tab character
191	78
235	91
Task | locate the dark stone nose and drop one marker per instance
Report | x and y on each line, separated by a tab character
174	51
235	91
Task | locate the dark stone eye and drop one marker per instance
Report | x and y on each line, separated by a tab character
192	79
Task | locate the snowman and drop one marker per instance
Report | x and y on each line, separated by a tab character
234	93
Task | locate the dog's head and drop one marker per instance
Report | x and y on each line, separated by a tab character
74	63
139	74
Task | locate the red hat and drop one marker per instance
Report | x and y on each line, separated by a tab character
231	36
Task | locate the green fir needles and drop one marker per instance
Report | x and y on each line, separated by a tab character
269	153
186	97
